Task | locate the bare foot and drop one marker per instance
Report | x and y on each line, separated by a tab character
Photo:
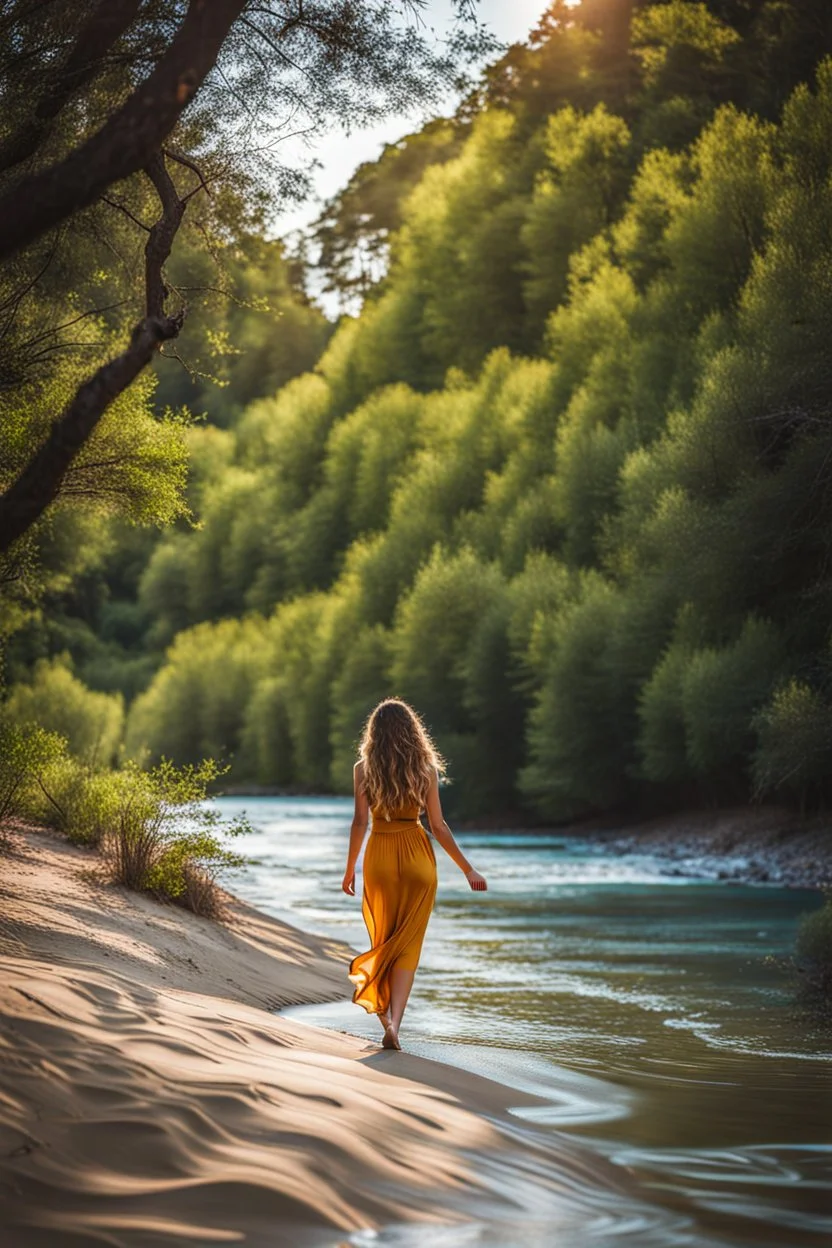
391	1038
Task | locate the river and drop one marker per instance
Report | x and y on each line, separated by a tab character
651	1012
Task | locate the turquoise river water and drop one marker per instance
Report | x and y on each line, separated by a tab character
651	1012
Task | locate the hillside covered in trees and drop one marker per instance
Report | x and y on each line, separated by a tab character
563	479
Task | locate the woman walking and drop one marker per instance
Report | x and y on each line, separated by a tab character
396	778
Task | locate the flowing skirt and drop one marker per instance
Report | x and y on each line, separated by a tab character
399	892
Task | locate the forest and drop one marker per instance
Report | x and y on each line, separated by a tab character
560	474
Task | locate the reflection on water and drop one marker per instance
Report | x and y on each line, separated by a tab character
649	1010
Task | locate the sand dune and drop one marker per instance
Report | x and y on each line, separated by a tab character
147	1097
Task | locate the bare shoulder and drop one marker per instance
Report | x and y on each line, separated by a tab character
358	769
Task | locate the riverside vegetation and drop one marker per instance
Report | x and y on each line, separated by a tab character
151	826
561	475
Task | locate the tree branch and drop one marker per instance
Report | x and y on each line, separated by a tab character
114	203
182	159
38	485
161	236
25	501
128	140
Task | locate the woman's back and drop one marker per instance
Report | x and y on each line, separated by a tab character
405	814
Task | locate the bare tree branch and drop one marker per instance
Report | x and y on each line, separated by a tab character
160	239
14	300
128	140
182	159
114	203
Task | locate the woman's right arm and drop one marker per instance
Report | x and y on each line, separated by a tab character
360	819
445	837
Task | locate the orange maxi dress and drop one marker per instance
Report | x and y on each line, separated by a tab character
399	892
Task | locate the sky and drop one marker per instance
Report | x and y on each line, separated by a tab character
339	154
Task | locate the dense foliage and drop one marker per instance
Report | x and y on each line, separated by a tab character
813	960
566	480
140	156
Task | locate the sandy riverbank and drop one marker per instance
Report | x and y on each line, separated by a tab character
148	1097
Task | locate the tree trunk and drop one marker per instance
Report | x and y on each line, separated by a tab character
40	481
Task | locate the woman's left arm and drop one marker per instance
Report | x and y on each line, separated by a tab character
445	837
360	819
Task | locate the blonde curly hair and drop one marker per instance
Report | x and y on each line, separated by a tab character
400	760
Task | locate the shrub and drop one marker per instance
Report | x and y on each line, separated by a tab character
166	842
82	803
814	951
24	753
155	832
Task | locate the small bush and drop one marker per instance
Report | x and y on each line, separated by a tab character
814	951
82	803
24	753
166	842
153	828
202	893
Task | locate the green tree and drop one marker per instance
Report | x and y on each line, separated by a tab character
91	723
794	744
721	691
98	95
578	194
195	706
452	603
355	227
